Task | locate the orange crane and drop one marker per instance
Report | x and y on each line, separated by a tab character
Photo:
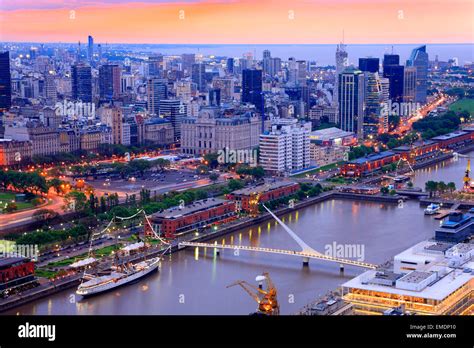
467	179
266	298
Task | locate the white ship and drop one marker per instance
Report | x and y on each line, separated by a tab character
119	276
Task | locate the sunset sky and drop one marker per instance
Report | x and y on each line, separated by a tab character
238	21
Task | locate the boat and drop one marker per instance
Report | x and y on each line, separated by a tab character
119	275
432	209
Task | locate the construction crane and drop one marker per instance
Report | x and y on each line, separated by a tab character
467	184
266	298
254	201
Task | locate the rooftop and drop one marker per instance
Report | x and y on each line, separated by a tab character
262	188
175	212
415	277
329	134
449	136
373	157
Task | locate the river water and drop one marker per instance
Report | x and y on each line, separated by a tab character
194	281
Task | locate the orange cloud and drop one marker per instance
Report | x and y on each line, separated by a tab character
247	21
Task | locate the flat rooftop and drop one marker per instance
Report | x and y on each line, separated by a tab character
450	135
329	134
373	157
8	261
175	212
263	188
415	277
416	144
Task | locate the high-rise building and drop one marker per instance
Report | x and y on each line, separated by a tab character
157	90
109	81
90	48
226	85
252	87
188	60
230	65
198	76
286	148
155	65
351	95
5	81
175	111
82	83
369	64
395	74
373	101
341	64
50	92
409	85
112	116
419	59
391	59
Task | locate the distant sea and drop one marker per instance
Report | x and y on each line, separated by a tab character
322	54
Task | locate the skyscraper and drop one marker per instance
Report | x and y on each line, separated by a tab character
82	83
395	74
351	100
369	64
90	48
198	76
5	81
109	81
419	59
252	87
409	85
230	65
175	111
188	60
341	64
155	65
157	90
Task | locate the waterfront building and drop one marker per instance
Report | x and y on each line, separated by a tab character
212	131
369	164
418	151
251	196
456	228
430	278
81	80
5	81
286	147
14	151
177	221
419	60
454	140
351	104
15	271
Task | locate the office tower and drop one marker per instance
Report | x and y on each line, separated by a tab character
188	60
50	92
99	51
175	111
383	120
215	97
155	65
90	48
157	90
351	100
301	72
341	64
5	81
373	94
109	81
274	66
230	65
198	76
391	59
395	74
369	64
409	85
266	61
419	59
252	88
286	148
82	83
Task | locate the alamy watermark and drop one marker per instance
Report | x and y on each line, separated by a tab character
399	109
345	251
70	108
8	249
228	156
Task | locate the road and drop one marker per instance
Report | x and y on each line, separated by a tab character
23	217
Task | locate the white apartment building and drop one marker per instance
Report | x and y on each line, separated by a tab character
286	148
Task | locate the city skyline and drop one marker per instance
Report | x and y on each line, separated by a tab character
173	22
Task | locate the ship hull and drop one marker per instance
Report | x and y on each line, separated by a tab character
110	285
